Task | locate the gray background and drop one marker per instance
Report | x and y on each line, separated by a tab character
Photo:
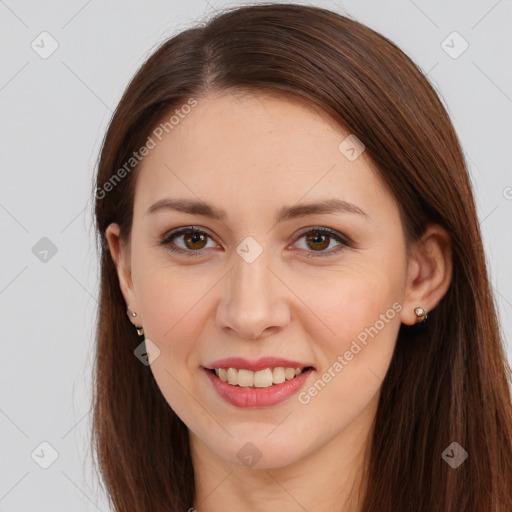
54	112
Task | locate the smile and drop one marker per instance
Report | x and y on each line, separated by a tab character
257	389
258	379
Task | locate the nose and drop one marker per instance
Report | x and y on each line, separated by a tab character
254	304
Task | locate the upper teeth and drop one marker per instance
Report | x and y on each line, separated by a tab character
259	379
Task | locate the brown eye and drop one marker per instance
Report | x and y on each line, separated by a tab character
196	240
192	241
319	239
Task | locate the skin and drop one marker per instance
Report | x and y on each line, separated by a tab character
251	155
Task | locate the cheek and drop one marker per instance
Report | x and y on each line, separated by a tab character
361	315
174	316
354	360
170	297
349	302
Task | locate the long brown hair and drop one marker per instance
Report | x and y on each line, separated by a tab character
447	382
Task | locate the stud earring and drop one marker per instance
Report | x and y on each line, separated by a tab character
421	314
140	330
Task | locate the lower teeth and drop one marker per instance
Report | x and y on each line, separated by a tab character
256	387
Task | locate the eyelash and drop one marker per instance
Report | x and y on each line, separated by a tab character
166	241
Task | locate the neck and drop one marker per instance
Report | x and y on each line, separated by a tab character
329	479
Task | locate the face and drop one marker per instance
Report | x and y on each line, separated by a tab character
268	284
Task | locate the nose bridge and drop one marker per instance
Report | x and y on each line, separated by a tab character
253	301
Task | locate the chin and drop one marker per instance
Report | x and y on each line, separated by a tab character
255	452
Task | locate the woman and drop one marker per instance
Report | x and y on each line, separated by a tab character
295	310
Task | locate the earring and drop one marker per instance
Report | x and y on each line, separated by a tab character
140	330
421	314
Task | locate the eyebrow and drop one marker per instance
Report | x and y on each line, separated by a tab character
201	208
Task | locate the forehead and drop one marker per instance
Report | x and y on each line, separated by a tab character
252	149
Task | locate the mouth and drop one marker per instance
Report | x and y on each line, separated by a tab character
256	383
264	378
265	387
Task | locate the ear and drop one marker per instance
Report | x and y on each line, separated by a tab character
429	272
120	252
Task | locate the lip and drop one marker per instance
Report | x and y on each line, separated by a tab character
259	364
257	397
